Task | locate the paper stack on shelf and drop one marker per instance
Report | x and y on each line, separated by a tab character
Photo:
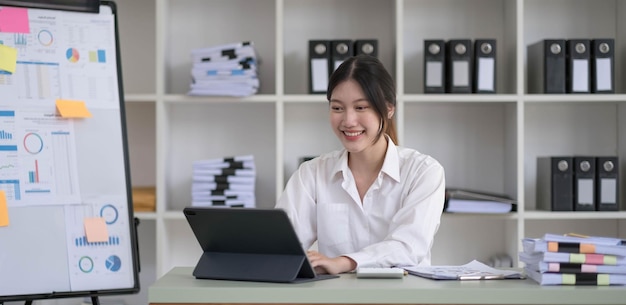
225	70
471	201
575	260
224	182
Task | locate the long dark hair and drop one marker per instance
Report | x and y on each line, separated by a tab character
377	85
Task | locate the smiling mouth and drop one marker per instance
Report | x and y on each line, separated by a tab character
353	134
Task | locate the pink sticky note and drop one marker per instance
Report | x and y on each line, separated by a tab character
96	230
14	20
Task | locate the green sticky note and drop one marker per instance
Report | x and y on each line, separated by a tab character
610	260
604	280
568	279
577	258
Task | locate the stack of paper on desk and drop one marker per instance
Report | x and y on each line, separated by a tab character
227	182
473	270
225	70
570	260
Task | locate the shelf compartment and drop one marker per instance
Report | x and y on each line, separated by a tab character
578	19
569	129
146	236
196	24
141	132
217	130
346	19
453	234
307	132
450	19
475	142
137	43
178	246
536	228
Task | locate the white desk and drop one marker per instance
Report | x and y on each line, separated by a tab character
180	287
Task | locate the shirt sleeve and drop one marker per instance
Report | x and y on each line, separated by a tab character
413	227
300	205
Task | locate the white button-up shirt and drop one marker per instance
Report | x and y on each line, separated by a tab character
395	224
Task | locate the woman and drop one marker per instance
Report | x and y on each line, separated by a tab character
371	204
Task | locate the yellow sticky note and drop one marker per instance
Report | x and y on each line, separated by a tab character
8	58
73	109
4	210
96	230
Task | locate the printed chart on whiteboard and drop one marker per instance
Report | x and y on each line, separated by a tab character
66	221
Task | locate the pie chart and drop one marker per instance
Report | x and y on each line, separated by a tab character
113	263
72	55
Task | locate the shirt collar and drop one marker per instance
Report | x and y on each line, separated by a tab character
341	166
391	165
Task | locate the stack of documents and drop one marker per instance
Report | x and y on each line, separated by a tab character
224	182
575	260
470	201
473	270
225	70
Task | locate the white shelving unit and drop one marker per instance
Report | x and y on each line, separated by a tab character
489	142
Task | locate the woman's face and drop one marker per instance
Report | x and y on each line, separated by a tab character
355	122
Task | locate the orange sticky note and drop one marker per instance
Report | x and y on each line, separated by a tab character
96	230
8	58
4	210
553	246
73	109
14	20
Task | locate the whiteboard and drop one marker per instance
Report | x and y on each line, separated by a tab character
59	172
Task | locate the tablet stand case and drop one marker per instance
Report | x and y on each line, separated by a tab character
249	245
251	267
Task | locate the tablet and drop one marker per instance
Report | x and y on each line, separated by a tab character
249	244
